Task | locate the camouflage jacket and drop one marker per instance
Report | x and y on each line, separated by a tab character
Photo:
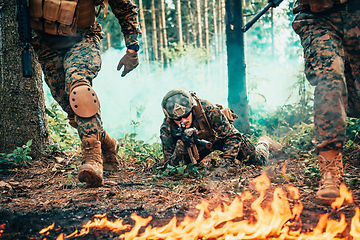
126	13
222	131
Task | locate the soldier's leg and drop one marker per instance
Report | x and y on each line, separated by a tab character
324	68
82	64
52	66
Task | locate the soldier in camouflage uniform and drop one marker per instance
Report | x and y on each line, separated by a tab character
212	124
330	35
67	42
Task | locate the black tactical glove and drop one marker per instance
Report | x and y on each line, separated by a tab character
130	61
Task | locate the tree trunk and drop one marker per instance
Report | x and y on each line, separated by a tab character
192	24
161	43
22	99
154	31
108	39
143	30
215	29
272	34
206	23
220	25
237	95
164	30
198	10
178	21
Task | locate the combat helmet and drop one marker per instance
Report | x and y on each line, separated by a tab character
177	103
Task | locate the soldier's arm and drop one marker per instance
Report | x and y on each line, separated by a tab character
225	131
126	13
167	143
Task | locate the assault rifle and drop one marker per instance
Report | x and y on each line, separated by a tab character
271	3
190	139
25	36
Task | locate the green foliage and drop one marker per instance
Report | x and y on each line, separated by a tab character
352	133
19	157
64	136
138	150
181	170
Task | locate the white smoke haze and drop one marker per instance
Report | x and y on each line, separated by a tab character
136	98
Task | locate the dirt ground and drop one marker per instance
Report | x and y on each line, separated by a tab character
48	191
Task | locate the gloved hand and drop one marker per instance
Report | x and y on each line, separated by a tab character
130	61
190	131
180	148
180	151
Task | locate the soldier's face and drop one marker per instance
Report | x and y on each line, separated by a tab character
186	120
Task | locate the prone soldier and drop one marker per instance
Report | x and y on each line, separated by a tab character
211	123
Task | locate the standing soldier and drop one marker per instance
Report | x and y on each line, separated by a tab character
211	123
330	35
67	42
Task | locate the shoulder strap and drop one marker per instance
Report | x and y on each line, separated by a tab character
205	130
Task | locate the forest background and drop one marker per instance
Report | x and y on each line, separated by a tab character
189	52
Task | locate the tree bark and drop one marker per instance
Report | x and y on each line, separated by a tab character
198	10
143	30
161	43
237	94
164	31
21	99
154	31
215	29
108	40
206	23
178	21
194	31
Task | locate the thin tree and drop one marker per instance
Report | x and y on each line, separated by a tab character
194	31
143	30
161	43
206	23
215	28
22	104
237	93
164	32
154	31
178	21
199	23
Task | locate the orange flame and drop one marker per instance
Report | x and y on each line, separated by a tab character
271	221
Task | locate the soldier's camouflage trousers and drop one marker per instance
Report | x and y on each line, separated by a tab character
332	64
62	68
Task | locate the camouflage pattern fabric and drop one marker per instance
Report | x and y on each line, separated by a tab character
228	139
63	68
126	12
332	64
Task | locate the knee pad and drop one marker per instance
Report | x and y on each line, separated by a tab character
83	100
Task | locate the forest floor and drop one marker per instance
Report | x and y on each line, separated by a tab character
48	191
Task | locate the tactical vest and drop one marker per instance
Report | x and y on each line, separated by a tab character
63	17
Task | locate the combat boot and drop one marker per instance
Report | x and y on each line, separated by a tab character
91	171
273	146
331	172
110	148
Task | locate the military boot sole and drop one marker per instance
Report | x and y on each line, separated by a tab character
88	175
112	166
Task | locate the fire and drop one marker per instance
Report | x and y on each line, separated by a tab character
276	220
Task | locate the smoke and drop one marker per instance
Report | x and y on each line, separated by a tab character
131	104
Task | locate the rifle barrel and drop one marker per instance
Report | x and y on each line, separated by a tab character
252	21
